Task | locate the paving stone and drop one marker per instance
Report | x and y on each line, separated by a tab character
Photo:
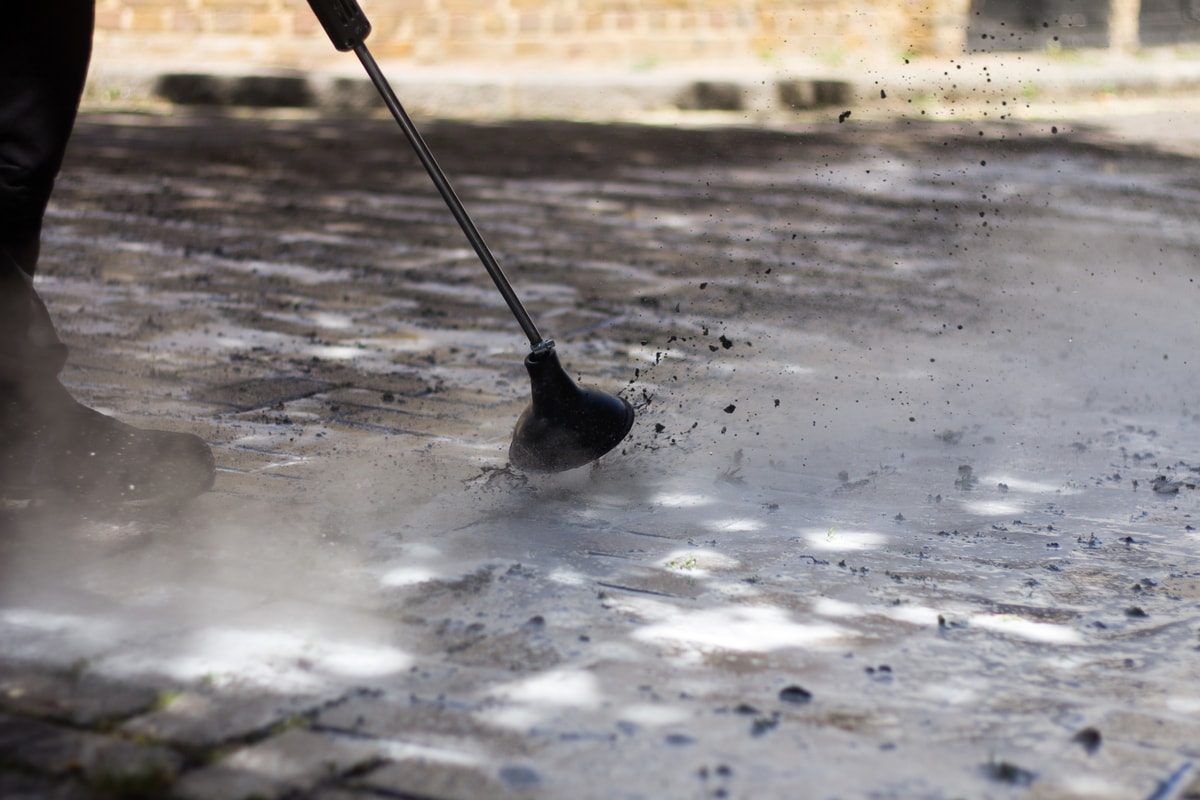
198	721
383	716
341	793
296	760
20	786
42	747
84	700
425	723
421	777
280	463
399	421
260	392
398	384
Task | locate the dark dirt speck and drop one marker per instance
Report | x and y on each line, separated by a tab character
1089	738
795	694
1005	772
518	775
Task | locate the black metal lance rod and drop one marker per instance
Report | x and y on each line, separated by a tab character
348	28
447	192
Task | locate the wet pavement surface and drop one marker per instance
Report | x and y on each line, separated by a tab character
909	509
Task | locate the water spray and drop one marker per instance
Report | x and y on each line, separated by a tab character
565	425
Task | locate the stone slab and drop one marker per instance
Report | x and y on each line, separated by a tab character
84	700
296	760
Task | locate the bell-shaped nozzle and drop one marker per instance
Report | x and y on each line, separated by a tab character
565	426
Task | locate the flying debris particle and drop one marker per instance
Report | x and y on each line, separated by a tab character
726	342
729	409
1163	485
882	94
842	117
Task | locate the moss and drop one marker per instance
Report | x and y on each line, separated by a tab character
165	699
294	722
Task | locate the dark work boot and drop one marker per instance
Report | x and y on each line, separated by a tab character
54	449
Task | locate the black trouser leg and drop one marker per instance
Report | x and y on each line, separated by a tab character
45	46
51	446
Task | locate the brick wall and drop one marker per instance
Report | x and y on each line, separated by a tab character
622	33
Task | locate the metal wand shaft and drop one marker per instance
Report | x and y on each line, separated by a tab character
447	192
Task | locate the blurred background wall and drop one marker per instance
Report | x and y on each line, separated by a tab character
626	32
634	34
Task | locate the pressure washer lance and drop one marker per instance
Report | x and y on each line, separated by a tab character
565	425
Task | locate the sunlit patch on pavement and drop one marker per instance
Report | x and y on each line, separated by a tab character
741	628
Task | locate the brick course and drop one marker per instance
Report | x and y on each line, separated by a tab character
283	33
